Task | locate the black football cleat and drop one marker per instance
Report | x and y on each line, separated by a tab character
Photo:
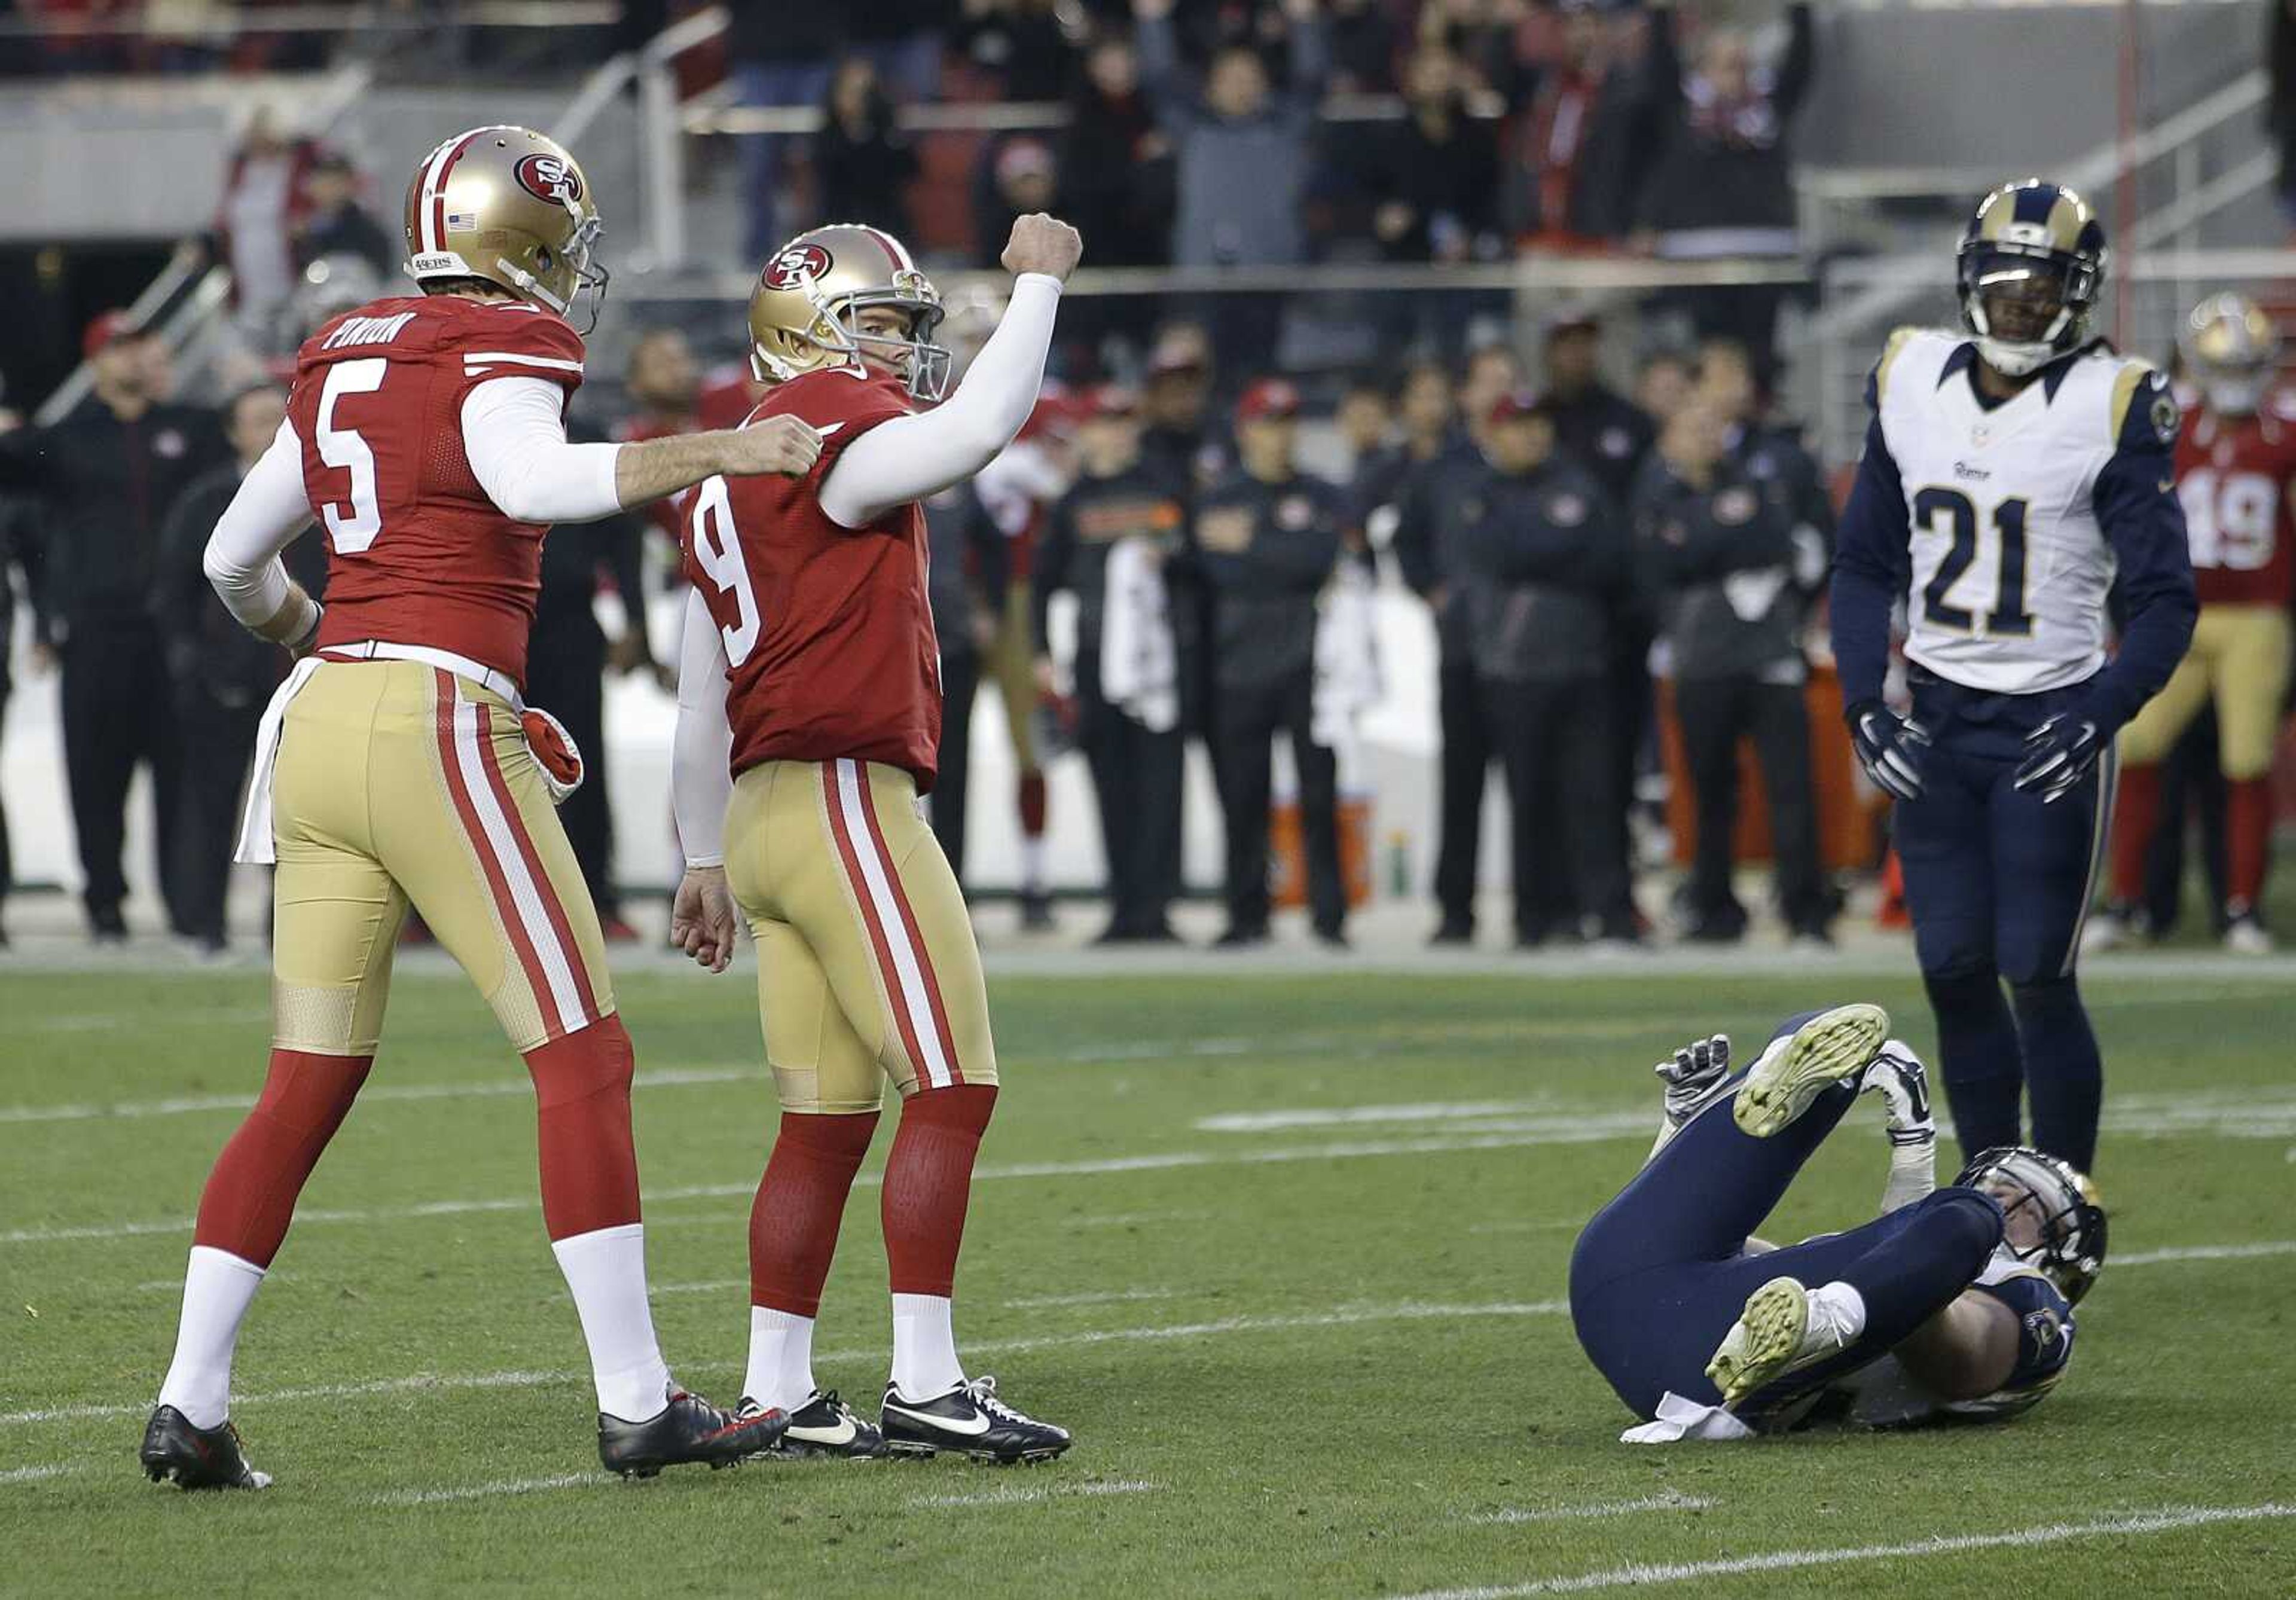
688	1429
826	1425
196	1458
969	1420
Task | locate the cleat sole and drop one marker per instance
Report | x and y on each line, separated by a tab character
1776	1317
1822	1051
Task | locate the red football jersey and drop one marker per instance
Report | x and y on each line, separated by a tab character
2233	475
416	553
829	637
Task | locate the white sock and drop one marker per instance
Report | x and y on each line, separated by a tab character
606	1271
924	1347
781	1359
1032	863
1837	1315
218	1288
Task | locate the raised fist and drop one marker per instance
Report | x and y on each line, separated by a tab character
775	444
1042	243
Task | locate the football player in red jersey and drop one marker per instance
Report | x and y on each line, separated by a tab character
2236	476
809	714
399	767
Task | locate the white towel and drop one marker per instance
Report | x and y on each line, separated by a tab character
1678	1419
1347	678
255	841
1139	659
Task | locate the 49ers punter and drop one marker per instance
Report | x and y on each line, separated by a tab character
398	765
808	710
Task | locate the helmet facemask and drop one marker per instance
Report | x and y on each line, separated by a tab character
835	343
2053	1205
2026	304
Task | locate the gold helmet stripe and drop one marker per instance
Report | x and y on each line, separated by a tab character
2065	220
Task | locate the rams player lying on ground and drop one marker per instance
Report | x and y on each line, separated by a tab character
1955	1302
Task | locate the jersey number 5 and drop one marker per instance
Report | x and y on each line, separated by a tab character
1947	512
717	548
343	447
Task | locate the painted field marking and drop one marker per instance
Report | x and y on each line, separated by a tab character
1099	1298
485	1491
1134	1218
1170	1161
1515	1515
1424	1110
419	1383
671	1077
40	1474
1029	1497
2207	1252
2167	1520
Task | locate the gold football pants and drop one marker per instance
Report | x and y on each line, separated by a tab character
2240	657
399	783
866	964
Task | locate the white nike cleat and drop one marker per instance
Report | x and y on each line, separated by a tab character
2246	936
1784	1329
1794	1070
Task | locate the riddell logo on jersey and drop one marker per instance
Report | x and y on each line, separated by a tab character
795	266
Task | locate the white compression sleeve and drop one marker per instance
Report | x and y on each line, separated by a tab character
515	432
700	776
241	561
911	457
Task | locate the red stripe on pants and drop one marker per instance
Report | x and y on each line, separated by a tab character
916	940
890	974
543	887
506	905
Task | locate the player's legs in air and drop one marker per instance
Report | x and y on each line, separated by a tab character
867	971
397	783
1661	1278
1998	881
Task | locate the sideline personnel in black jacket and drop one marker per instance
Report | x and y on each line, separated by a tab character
221	676
1547	560
102	481
1716	549
1135	768
968	566
1265	541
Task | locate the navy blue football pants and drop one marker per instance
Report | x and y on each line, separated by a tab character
1999	884
1661	1272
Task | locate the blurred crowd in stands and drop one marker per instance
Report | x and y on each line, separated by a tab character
1566	537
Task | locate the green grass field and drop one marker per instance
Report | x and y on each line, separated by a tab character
1285	1252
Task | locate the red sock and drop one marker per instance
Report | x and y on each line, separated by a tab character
2137	817
928	1181
250	1194
1032	803
2248	839
589	1159
800	1203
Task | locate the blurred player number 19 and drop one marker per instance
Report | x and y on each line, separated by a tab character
717	546
343	447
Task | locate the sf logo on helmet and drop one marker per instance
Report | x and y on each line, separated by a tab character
795	265
549	177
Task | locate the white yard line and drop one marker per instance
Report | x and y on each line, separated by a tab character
1029	1496
40	1474
1514	1515
1101	1297
419	1382
1170	1161
2206	1253
1132	1219
485	1491
1342	1116
670	1077
2165	1521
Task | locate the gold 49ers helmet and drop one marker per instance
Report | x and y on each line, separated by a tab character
2230	345
506	205
803	311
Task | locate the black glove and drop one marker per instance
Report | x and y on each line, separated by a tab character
1889	747
2059	754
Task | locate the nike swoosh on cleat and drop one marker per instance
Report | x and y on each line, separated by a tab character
975	1424
845	1432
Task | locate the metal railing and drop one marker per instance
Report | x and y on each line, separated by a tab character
238	22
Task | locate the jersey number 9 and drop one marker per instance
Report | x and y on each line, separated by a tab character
717	547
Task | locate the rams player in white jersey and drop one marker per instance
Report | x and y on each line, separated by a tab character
2016	482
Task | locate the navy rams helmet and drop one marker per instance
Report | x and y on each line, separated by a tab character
2031	266
2230	345
2062	1201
